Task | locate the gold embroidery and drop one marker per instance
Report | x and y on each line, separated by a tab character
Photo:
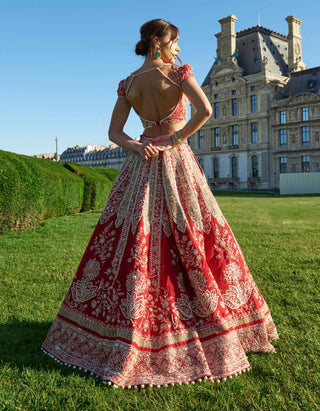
206	304
125	365
83	290
168	337
237	295
133	307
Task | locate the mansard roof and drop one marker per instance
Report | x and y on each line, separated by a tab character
256	45
261	30
301	82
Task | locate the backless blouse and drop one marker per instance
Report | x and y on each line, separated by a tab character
179	112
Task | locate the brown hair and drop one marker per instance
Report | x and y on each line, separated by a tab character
151	29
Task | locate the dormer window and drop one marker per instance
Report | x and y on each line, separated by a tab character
311	84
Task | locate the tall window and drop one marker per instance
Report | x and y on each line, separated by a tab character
254	132
253	103
215	168
217	137
305	114
234	106
234	166
254	160
305	136
305	163
200	134
283	164
283	137
200	161
283	117
235	135
216	110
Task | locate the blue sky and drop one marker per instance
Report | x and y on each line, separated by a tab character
61	61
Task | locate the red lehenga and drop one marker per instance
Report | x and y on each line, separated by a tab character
163	294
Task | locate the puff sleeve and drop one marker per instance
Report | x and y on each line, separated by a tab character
184	72
122	88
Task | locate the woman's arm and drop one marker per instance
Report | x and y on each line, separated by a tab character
116	134
201	104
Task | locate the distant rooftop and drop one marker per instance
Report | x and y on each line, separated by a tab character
301	82
256	45
259	44
262	30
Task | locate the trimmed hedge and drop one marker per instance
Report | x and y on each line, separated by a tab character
33	189
110	173
96	186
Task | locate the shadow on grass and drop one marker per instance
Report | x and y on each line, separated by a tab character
20	347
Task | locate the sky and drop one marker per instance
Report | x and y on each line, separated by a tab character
61	60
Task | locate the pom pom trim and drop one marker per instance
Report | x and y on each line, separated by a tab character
204	378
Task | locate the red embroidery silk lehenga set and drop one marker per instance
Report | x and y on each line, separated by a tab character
163	294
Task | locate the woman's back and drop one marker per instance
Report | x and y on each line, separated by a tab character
155	93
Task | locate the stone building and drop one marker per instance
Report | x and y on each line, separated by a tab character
110	157
48	156
295	118
96	156
258	75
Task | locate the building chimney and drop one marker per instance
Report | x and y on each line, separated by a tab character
295	62
227	38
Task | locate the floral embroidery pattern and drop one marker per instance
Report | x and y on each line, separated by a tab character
83	290
237	295
91	269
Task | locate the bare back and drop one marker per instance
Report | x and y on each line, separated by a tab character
153	94
159	95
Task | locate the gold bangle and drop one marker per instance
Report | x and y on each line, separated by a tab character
177	138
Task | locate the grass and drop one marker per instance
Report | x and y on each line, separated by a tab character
280	238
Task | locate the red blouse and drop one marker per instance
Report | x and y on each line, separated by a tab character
179	112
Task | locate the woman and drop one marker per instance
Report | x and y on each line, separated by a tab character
163	294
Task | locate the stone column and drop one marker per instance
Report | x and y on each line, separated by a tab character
226	38
295	62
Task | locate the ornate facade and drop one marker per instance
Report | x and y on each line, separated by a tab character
295	118
258	75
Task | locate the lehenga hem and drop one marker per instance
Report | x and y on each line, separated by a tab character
204	378
121	364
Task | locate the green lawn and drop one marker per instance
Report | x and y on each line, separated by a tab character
280	237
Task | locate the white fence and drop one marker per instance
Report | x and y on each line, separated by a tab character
300	183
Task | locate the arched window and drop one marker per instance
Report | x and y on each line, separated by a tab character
234	166
215	168
254	166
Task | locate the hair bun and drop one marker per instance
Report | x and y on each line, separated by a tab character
154	28
142	48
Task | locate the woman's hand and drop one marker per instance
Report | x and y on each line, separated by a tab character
163	142
147	150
